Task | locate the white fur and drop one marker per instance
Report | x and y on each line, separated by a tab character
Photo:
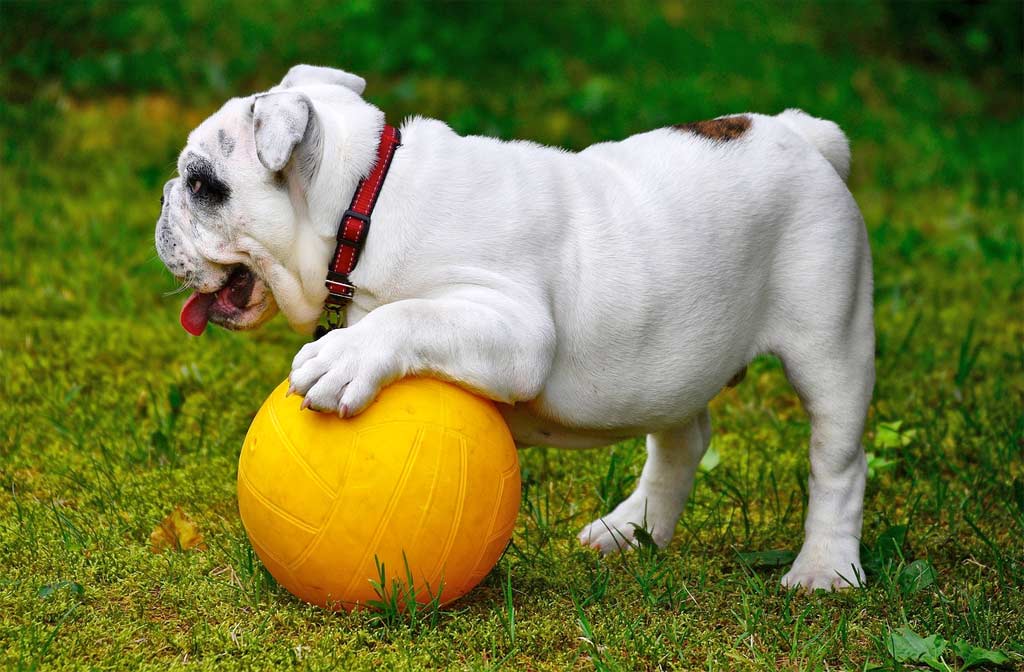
595	295
823	135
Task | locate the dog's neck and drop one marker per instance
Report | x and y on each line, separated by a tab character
351	135
351	131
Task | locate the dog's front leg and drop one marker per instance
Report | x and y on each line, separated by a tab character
485	343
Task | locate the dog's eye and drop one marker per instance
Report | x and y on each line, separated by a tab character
202	183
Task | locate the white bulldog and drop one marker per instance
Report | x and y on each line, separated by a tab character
595	295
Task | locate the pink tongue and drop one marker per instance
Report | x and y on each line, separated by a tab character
196	312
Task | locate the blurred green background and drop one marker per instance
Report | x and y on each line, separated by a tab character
567	73
111	416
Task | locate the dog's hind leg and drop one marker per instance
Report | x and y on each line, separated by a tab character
665	483
829	359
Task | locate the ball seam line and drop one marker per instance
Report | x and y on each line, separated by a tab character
490	525
430	499
331	510
389	508
290	447
453	530
265	501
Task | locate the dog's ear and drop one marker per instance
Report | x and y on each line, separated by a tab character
315	74
285	124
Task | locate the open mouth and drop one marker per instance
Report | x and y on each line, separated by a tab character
226	305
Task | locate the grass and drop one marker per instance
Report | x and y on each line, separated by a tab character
111	417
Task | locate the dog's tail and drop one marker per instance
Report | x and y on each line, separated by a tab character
824	135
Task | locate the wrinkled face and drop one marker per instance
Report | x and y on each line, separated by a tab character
249	224
208	234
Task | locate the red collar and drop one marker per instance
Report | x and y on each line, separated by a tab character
353	229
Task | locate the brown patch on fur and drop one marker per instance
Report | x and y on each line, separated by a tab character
719	130
737	378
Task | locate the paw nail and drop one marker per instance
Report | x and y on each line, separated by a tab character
305	403
290	392
343	411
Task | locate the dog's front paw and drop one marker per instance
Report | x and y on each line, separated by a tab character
622	528
342	371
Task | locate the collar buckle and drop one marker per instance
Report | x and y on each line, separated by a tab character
340	291
365	219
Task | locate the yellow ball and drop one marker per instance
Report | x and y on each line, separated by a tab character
428	470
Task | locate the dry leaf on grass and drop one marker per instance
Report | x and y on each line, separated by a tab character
176	531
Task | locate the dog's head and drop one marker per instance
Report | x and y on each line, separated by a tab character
249	223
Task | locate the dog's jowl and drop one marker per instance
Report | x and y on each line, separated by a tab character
595	295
